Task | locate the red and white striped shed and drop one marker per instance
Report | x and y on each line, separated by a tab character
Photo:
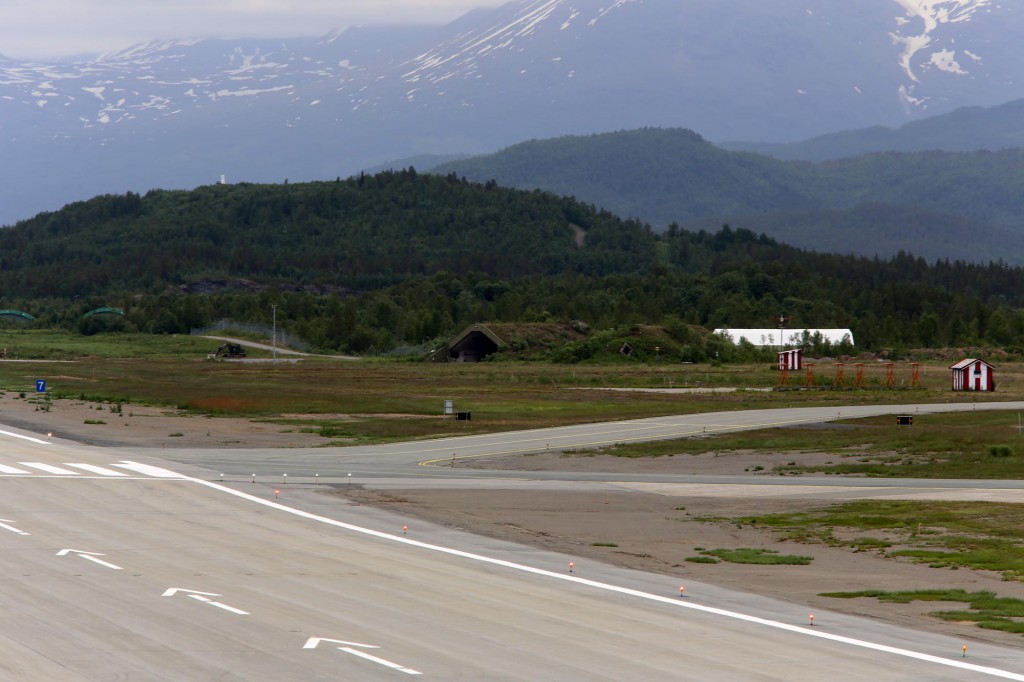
973	375
791	359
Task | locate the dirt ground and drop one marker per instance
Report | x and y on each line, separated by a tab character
143	426
636	527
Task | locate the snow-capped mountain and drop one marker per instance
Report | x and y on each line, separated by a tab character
182	113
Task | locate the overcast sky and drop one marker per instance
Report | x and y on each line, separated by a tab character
41	29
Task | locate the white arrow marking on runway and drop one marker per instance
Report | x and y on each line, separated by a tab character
91	556
202	596
381	661
312	643
11	528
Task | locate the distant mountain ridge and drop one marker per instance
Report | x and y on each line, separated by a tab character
938	205
182	113
966	129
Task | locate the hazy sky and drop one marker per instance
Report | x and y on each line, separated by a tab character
40	29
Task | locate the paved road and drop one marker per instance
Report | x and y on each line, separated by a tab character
430	458
278	349
121	565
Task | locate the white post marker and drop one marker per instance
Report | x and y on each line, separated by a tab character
312	643
11	528
90	556
203	597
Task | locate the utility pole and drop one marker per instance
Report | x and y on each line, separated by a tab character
273	307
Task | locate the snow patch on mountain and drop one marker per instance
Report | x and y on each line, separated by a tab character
614	6
461	57
459	54
920	33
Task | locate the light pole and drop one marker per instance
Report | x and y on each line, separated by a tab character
273	308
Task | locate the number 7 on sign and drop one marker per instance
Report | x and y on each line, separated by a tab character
40	385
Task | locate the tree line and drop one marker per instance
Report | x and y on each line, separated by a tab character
405	260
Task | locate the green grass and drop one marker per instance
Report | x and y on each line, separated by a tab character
974	535
749	555
987	610
45	344
394	400
951	445
869	543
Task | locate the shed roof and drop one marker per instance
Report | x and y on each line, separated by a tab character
964	364
479	329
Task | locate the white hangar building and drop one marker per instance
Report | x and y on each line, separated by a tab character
785	337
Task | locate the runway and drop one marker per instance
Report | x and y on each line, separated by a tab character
120	564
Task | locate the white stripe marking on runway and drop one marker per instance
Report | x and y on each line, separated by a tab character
49	468
151	470
29	438
94	469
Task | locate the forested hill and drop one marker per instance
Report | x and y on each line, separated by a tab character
401	259
929	203
363	232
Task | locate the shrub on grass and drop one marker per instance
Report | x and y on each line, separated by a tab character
1000	451
749	555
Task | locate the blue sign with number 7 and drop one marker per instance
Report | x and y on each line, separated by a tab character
40	385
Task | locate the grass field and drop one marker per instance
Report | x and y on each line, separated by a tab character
956	445
391	399
986	609
978	535
749	555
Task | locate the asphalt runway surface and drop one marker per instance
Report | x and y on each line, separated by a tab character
136	564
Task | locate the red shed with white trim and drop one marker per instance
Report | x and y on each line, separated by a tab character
973	375
791	359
